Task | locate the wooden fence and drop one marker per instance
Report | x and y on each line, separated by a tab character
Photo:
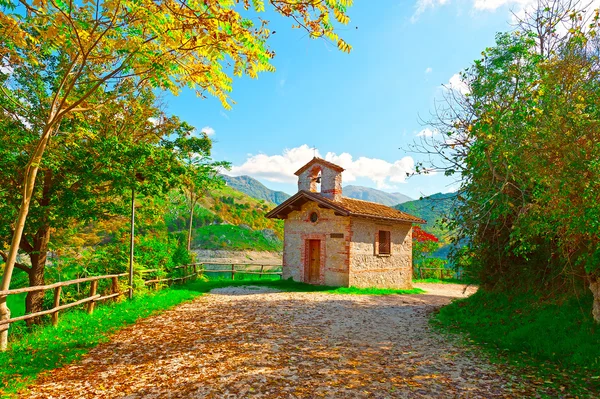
169	280
260	269
439	272
189	272
57	287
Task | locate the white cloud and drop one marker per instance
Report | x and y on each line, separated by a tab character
452	188
493	5
281	168
422	5
208	130
517	7
457	84
429	70
276	168
477	5
427	132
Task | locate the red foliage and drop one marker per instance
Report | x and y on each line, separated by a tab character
420	235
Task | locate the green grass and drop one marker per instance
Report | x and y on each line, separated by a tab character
438	281
19	279
293	286
227	236
556	337
16	304
48	347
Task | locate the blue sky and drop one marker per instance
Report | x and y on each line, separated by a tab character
360	110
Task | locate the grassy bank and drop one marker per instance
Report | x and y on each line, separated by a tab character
529	331
293	286
438	281
49	347
231	237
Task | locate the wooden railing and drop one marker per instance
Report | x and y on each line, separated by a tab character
189	272
185	278
441	272
57	287
260	272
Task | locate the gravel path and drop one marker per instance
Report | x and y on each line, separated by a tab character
252	343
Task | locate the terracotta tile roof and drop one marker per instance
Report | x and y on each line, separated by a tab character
345	207
322	162
372	209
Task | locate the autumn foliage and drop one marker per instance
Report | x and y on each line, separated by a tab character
420	235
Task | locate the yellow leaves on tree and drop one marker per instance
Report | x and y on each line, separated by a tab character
167	44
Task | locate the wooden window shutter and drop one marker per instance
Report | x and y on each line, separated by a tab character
376	250
385	245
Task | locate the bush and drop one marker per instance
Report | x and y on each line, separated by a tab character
560	330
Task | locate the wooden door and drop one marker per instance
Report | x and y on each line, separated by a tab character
314	261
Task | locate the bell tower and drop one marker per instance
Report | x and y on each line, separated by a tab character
321	177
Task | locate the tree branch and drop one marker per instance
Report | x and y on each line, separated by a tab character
4	256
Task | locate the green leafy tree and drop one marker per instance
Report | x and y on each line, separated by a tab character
98	45
90	166
525	140
201	177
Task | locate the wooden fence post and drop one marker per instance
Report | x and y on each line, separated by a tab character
232	271
115	288
195	271
93	288
262	268
56	304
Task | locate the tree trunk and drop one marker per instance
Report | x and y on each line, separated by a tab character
35	300
31	171
189	237
595	288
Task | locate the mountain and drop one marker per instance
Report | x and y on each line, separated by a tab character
432	209
373	195
255	189
227	219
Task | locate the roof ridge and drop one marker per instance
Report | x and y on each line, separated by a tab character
349	208
325	162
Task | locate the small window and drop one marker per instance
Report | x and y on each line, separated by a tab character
314	217
385	244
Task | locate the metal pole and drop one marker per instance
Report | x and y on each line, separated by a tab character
131	243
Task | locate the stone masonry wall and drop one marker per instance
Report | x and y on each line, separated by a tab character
383	271
334	251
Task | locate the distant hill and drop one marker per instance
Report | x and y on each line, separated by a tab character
373	195
255	189
228	219
432	209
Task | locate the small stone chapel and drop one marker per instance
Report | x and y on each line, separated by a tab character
333	240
